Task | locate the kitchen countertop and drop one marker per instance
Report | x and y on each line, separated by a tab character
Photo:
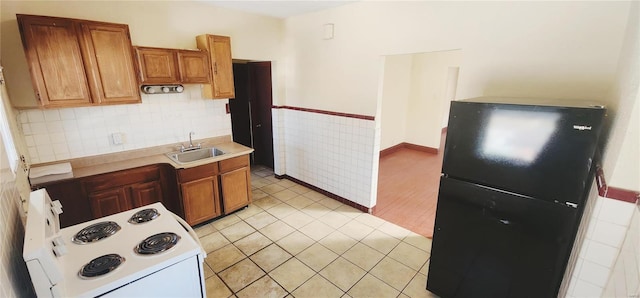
112	162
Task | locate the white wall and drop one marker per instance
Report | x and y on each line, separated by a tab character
427	99
547	49
396	88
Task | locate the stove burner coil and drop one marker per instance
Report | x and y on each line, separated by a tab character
96	232
157	243
144	215
100	266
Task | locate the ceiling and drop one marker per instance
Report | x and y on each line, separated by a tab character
279	9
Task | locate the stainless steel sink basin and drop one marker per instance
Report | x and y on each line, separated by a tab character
195	155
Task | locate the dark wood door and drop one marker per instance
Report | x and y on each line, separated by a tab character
239	106
261	102
110	201
146	193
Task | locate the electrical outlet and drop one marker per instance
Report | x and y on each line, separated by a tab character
117	138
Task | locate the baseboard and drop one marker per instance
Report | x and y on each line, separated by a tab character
395	148
328	194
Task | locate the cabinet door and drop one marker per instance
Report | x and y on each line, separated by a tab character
55	61
194	67
146	193
157	66
235	189
219	48
110	201
201	200
109	62
75	204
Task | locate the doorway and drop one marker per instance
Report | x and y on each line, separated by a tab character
251	110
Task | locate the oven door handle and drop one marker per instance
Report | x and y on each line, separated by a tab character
191	232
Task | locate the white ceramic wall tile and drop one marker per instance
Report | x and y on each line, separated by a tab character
160	119
625	278
616	212
333	153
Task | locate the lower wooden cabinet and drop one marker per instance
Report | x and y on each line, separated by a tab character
123	190
200	200
236	183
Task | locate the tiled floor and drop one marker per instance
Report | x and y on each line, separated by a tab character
296	242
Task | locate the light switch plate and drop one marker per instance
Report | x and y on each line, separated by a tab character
117	138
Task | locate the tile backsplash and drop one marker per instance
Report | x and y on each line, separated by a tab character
59	134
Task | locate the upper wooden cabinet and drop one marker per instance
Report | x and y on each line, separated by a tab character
77	62
172	66
219	49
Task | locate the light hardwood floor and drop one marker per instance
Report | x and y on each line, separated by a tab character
408	183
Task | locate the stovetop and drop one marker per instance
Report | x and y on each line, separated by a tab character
131	264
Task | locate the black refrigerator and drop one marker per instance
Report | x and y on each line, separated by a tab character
515	179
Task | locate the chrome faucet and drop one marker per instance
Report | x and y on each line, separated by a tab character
191	146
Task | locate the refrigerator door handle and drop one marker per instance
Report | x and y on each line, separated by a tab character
504	221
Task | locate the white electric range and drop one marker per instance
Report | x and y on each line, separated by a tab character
144	252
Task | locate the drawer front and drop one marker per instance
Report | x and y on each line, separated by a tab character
234	163
122	178
199	172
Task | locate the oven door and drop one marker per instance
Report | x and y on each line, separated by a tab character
183	279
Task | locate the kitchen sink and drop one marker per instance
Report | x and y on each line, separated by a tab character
194	155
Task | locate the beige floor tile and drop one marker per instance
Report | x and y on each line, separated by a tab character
295	242
241	275
370	286
291	274
316	230
343	273
287	183
263	287
224	257
317	286
425	269
270	257
272	179
409	255
348	211
225	221
380	241
299	189
216	288
285	195
393	273
261	220
417	288
259	182
249	211
330	203
213	241
257	194
281	210
298	219
363	256
300	202
316	210
370	220
334	219
266	202
277	230
418	241
237	231
338	242
394	230
314	195
208	272
272	188
317	257
204	230
356	229
252	243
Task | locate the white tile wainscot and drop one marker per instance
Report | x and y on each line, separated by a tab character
332	152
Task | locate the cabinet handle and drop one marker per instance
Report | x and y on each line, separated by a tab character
215	68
